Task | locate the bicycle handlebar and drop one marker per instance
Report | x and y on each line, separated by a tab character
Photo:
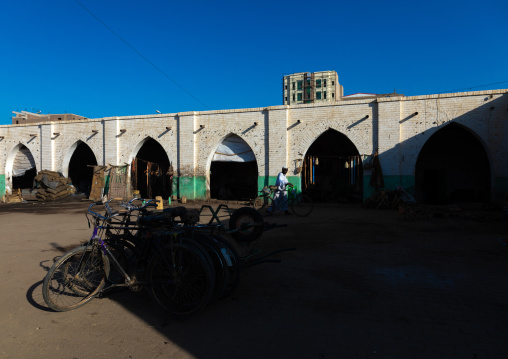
114	213
273	189
95	214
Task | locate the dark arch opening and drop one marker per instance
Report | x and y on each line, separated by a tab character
332	169
151	171
80	170
24	170
452	167
232	180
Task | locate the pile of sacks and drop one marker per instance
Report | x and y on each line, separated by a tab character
52	186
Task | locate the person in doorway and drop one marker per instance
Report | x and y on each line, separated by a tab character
281	196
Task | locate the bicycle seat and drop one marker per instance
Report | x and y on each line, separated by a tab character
273	188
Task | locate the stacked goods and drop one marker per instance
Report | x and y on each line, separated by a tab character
384	200
29	194
399	200
52	186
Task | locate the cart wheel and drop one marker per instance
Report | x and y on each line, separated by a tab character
245	215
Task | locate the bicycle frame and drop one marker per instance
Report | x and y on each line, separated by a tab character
270	202
176	270
97	239
102	223
151	239
278	202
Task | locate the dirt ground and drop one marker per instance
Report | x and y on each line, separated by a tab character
360	284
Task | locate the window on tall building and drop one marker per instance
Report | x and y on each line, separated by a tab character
286	87
308	82
324	82
333	95
299	96
333	83
300	85
285	99
293	97
324	95
318	95
293	85
318	83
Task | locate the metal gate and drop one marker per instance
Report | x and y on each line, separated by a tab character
98	183
118	182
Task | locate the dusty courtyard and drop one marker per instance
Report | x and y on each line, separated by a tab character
360	284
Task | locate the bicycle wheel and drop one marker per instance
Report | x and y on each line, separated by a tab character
75	279
264	205
217	252
302	205
181	280
238	224
232	264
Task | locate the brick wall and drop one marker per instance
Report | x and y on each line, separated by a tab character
397	126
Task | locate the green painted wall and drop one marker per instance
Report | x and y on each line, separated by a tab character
296	181
270	180
195	187
106	184
500	187
2	185
266	181
190	187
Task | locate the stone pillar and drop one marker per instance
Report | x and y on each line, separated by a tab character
111	133
389	144
277	142
47	160
188	183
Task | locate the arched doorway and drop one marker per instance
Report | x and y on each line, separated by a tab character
151	171
23	169
332	169
452	167
81	168
233	171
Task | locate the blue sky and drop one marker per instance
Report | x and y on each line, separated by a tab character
56	57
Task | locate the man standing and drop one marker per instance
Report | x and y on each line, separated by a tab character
281	196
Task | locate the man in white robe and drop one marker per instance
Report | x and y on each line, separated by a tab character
281	196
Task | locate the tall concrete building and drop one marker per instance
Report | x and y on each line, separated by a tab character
311	87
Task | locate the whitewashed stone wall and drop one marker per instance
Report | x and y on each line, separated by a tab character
278	135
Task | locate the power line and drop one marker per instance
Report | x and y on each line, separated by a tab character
469	88
141	55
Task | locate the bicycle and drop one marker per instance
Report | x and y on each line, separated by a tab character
223	255
176	270
268	203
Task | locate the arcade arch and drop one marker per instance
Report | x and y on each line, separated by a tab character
233	173
151	170
21	165
78	166
332	169
452	167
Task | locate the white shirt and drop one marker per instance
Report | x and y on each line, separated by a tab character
281	182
